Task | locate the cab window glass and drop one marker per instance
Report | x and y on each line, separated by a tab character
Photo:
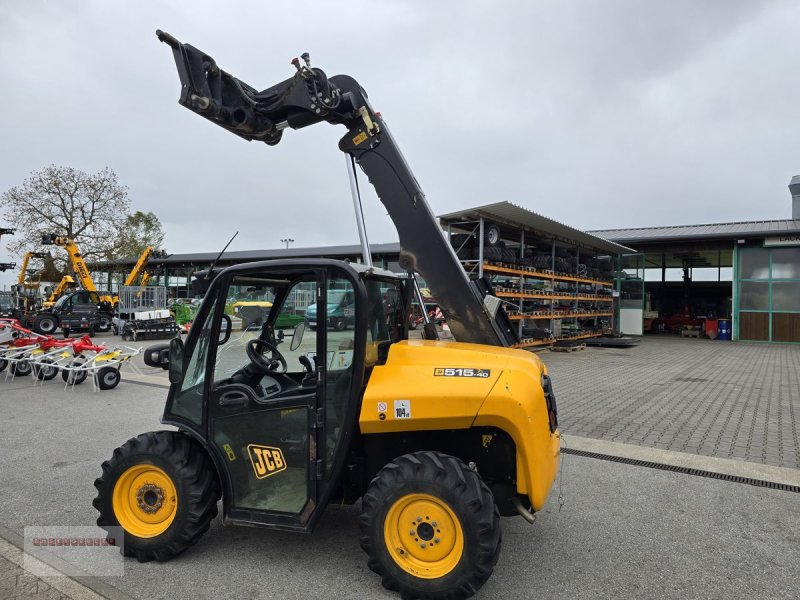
188	402
386	316
251	304
339	362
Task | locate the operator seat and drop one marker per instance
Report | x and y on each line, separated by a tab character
252	316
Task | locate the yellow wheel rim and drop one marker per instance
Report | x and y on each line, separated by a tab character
423	536
145	501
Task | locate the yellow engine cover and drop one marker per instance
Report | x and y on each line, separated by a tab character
430	385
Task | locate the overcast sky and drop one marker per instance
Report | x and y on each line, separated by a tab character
597	114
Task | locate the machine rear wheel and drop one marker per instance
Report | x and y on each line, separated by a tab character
162	489
430	527
73	377
45	324
21	368
108	378
3	364
46	372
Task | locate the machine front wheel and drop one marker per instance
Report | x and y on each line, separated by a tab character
430	527
104	323
162	489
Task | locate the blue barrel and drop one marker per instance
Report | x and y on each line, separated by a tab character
724	329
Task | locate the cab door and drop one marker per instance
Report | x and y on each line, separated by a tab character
269	429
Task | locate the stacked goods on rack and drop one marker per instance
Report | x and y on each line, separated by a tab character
542	281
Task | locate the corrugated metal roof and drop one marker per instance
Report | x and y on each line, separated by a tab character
705	232
511	214
241	256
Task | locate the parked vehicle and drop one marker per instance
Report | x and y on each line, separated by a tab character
340	313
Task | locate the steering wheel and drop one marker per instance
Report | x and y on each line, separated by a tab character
255	352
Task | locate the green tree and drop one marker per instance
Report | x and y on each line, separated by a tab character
140	230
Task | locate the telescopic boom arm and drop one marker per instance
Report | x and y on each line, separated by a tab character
23	280
75	258
311	97
139	267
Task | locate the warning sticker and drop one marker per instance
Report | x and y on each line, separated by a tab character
382	407
402	409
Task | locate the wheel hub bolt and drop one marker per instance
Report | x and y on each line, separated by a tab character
436	540
419	519
149	498
412	533
422	544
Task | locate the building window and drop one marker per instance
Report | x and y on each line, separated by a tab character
754	263
769	294
754	295
786	263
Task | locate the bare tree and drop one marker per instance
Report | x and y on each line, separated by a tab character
88	207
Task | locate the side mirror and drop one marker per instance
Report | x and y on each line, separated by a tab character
297	336
157	356
175	360
225	329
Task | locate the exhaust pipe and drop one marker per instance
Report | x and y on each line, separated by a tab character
523	512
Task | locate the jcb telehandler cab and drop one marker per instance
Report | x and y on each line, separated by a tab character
437	439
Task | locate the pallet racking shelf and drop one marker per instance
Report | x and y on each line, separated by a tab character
521	275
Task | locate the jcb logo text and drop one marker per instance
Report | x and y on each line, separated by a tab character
266	460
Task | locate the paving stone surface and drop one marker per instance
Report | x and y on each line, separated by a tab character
16	583
725	399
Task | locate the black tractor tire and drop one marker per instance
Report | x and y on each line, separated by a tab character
462	240
21	368
104	322
46	372
494	253
509	255
108	378
3	364
114	329
450	484
491	235
45	324
197	490
73	377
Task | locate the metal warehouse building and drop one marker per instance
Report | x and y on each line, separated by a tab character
746	271
737	279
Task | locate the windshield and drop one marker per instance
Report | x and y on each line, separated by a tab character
6	302
61	302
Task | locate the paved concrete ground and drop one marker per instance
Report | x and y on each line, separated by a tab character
624	531
725	399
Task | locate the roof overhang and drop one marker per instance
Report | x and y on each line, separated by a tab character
506	213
